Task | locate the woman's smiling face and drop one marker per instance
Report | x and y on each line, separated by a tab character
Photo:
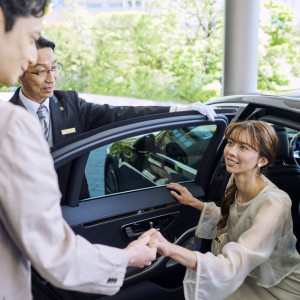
240	153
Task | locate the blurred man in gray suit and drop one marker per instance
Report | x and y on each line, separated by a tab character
32	229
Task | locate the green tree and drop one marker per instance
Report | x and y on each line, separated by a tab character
73	48
276	27
131	56
166	53
172	51
293	53
196	59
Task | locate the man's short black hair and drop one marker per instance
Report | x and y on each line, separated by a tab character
44	43
13	9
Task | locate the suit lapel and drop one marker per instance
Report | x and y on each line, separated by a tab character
16	99
58	117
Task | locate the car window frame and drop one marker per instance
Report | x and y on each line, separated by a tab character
84	143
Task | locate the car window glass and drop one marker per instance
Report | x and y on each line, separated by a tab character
144	161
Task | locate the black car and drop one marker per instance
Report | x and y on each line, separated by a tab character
133	203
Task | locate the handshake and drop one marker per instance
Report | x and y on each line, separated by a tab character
143	250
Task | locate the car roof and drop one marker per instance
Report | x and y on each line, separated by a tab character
286	102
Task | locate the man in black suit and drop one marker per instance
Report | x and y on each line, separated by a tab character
67	114
63	114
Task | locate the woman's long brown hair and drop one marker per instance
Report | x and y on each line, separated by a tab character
263	138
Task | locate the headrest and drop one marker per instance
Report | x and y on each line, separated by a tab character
283	143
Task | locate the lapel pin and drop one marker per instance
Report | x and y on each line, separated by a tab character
61	108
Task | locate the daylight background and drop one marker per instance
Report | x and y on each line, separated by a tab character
165	50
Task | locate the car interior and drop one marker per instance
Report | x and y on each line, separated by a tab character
285	173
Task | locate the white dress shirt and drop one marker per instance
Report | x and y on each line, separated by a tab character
32	229
32	108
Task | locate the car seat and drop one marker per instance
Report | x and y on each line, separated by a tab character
285	174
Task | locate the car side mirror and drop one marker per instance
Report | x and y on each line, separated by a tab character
145	143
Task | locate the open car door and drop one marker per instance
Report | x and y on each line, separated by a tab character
113	182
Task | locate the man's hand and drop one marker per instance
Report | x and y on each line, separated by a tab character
157	241
201	108
140	254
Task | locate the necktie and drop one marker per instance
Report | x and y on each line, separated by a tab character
42	113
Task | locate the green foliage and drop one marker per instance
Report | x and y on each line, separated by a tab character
3	88
166	53
276	41
293	52
172	51
73	49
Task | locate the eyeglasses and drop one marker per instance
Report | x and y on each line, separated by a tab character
45	72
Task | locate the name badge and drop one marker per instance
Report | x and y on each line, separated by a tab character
68	131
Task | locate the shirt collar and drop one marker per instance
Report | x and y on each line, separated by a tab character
30	105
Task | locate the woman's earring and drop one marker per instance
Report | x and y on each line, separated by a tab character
258	170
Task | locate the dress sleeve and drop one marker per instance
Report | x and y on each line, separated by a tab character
31	214
217	277
210	216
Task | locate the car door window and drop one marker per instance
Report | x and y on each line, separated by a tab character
148	160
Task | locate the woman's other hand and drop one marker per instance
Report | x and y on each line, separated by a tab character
183	195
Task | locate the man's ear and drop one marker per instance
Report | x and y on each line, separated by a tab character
20	79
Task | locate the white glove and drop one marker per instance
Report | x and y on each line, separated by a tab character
201	108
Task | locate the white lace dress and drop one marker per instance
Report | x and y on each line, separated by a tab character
259	262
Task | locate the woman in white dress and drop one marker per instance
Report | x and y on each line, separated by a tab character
260	260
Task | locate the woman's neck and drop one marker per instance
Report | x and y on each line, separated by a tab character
248	188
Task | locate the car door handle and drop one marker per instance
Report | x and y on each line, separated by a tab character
159	223
130	233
